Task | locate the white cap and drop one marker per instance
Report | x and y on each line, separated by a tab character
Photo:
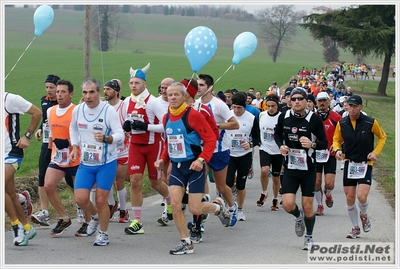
342	99
322	96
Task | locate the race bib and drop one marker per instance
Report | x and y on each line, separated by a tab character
92	154
357	170
322	156
176	146
46	132
297	159
61	156
268	134
236	141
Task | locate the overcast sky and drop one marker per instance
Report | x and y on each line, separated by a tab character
252	8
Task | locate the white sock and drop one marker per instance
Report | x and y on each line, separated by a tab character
93	196
111	200
318	196
21	198
353	214
363	207
122	199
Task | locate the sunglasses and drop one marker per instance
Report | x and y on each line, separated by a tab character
293	99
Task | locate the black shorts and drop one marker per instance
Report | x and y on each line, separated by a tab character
353	182
293	179
329	167
273	161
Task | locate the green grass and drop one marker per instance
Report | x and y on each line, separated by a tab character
159	40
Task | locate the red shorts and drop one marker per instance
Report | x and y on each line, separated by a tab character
141	155
123	161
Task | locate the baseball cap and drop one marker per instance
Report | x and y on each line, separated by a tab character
354	100
322	96
288	91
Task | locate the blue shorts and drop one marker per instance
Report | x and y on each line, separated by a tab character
182	176
13	161
101	175
219	160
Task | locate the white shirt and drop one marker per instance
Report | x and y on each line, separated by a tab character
256	102
241	135
221	113
13	104
86	120
267	129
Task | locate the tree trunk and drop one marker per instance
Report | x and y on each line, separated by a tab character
86	68
385	75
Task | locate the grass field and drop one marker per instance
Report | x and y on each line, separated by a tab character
159	40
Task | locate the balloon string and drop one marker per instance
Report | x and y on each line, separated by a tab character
223	74
20	57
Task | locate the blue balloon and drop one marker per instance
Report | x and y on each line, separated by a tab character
42	18
243	46
200	46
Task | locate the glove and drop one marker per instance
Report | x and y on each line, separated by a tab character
47	155
127	126
61	143
139	125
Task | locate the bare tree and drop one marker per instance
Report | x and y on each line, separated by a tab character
278	26
103	17
121	29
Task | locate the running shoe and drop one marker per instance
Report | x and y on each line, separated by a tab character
241	216
275	206
18	233
113	209
262	199
40	218
27	235
354	233
27	205
320	210
182	248
233	214
163	220
93	226
169	212
123	216
162	202
62	225
82	232
250	175
308	243
195	236
366	223
223	213
21	236
191	224
101	239
80	215
135	227
299	226
328	200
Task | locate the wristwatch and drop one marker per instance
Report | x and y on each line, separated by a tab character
314	145
105	138
201	160
28	135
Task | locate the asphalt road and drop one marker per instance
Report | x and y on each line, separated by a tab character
267	238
